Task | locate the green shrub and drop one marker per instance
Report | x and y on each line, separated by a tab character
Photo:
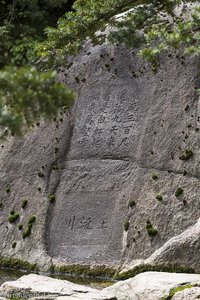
154	176
12	212
126	225
56	149
52	198
24	203
20	226
131	203
39	189
40	174
32	219
159	197
13	217
8	189
14	244
27	231
179	192
151	230
186	155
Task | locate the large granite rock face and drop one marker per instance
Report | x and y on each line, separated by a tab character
127	123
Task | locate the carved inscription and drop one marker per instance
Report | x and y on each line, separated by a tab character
110	122
86	223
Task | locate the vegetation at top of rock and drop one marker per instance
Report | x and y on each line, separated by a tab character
154	176
173	268
37	36
131	203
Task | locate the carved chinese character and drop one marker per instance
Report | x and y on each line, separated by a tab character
127	129
129	118
111	141
116	118
85	223
101	119
98	131
114	129
124	141
96	142
104	223
89	119
71	222
83	142
91	107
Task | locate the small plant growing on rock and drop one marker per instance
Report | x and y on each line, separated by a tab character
186	155
1	205
39	189
52	198
154	176
13	217
159	197
24	203
40	174
32	219
151	230
27	231
126	225
8	189
20	226
56	149
131	203
14	244
179	192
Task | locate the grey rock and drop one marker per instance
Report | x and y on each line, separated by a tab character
127	123
188	294
145	286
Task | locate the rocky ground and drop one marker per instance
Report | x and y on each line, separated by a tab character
145	286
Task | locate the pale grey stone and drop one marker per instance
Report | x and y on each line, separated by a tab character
127	123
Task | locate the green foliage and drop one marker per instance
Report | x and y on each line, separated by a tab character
14	244
154	176
188	153
176	290
40	174
29	95
84	271
20	226
24	203
27	232
131	203
126	225
13	217
15	263
178	192
32	219
159	197
43	33
52	198
173	268
8	189
151	230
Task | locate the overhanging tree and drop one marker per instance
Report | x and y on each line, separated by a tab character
151	26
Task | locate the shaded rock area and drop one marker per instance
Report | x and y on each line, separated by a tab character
116	179
146	286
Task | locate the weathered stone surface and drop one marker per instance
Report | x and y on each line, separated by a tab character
127	123
188	294
145	286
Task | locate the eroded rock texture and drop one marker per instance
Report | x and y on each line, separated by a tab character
128	123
